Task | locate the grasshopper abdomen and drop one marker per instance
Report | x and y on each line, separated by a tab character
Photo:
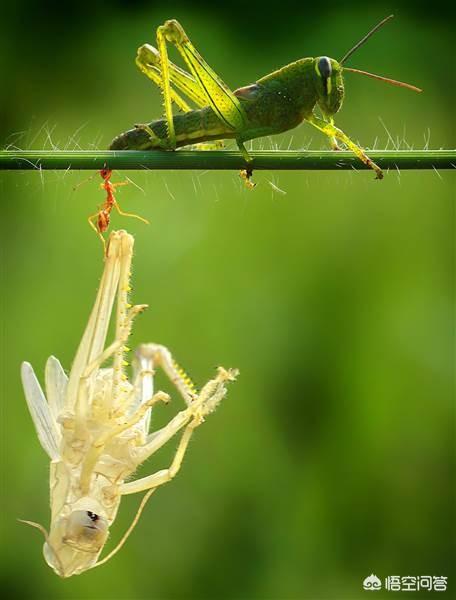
191	128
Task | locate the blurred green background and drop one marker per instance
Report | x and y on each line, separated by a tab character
333	455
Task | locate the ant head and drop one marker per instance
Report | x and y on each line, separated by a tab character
106	174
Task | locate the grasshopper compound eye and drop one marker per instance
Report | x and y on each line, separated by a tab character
324	67
75	541
86	530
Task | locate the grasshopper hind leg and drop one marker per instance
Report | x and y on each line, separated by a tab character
201	85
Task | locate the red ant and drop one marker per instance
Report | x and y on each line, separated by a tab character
100	220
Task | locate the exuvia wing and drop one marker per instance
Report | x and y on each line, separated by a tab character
56	382
45	424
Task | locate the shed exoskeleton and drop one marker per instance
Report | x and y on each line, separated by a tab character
94	424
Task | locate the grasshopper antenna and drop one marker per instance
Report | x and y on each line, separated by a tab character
36	526
409	86
129	530
372	75
365	38
46	537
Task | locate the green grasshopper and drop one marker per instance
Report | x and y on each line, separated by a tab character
275	103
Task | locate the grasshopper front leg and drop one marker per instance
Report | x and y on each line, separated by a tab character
329	129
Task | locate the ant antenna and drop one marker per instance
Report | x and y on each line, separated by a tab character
365	38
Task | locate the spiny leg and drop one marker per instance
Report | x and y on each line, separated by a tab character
204	87
81	406
124	318
332	131
99	443
216	93
161	356
117	344
192	417
206	402
165	475
148	62
142	390
152	483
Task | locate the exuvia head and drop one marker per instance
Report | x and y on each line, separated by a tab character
85	530
75	541
330	85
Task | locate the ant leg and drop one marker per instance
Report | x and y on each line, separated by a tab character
113	185
97	231
127	214
119	184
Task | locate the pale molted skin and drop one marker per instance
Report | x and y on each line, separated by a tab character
94	424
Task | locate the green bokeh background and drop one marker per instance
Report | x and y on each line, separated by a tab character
333	455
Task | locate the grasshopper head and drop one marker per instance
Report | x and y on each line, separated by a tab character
75	541
329	84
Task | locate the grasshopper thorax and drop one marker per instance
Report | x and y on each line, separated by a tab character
329	85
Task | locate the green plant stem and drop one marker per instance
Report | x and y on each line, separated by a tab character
288	160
